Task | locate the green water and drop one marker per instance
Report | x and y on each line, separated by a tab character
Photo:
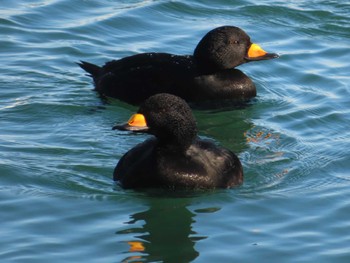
58	152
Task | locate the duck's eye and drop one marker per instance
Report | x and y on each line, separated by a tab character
235	42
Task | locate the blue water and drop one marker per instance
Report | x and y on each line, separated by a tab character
57	150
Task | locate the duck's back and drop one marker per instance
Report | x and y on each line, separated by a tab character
135	78
203	166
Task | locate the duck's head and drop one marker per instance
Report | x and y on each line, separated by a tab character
167	117
227	47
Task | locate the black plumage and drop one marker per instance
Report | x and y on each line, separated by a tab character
207	75
175	157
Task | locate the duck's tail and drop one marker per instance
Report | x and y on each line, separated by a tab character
90	68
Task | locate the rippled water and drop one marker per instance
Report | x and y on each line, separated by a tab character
58	152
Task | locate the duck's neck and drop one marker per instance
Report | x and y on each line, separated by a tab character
204	68
176	144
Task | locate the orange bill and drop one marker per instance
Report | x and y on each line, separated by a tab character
136	123
137	120
255	52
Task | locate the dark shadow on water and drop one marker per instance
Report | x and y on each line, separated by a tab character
209	106
166	233
222	105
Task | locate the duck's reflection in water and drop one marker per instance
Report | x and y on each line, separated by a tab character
165	236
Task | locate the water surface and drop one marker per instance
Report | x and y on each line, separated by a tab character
58	152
